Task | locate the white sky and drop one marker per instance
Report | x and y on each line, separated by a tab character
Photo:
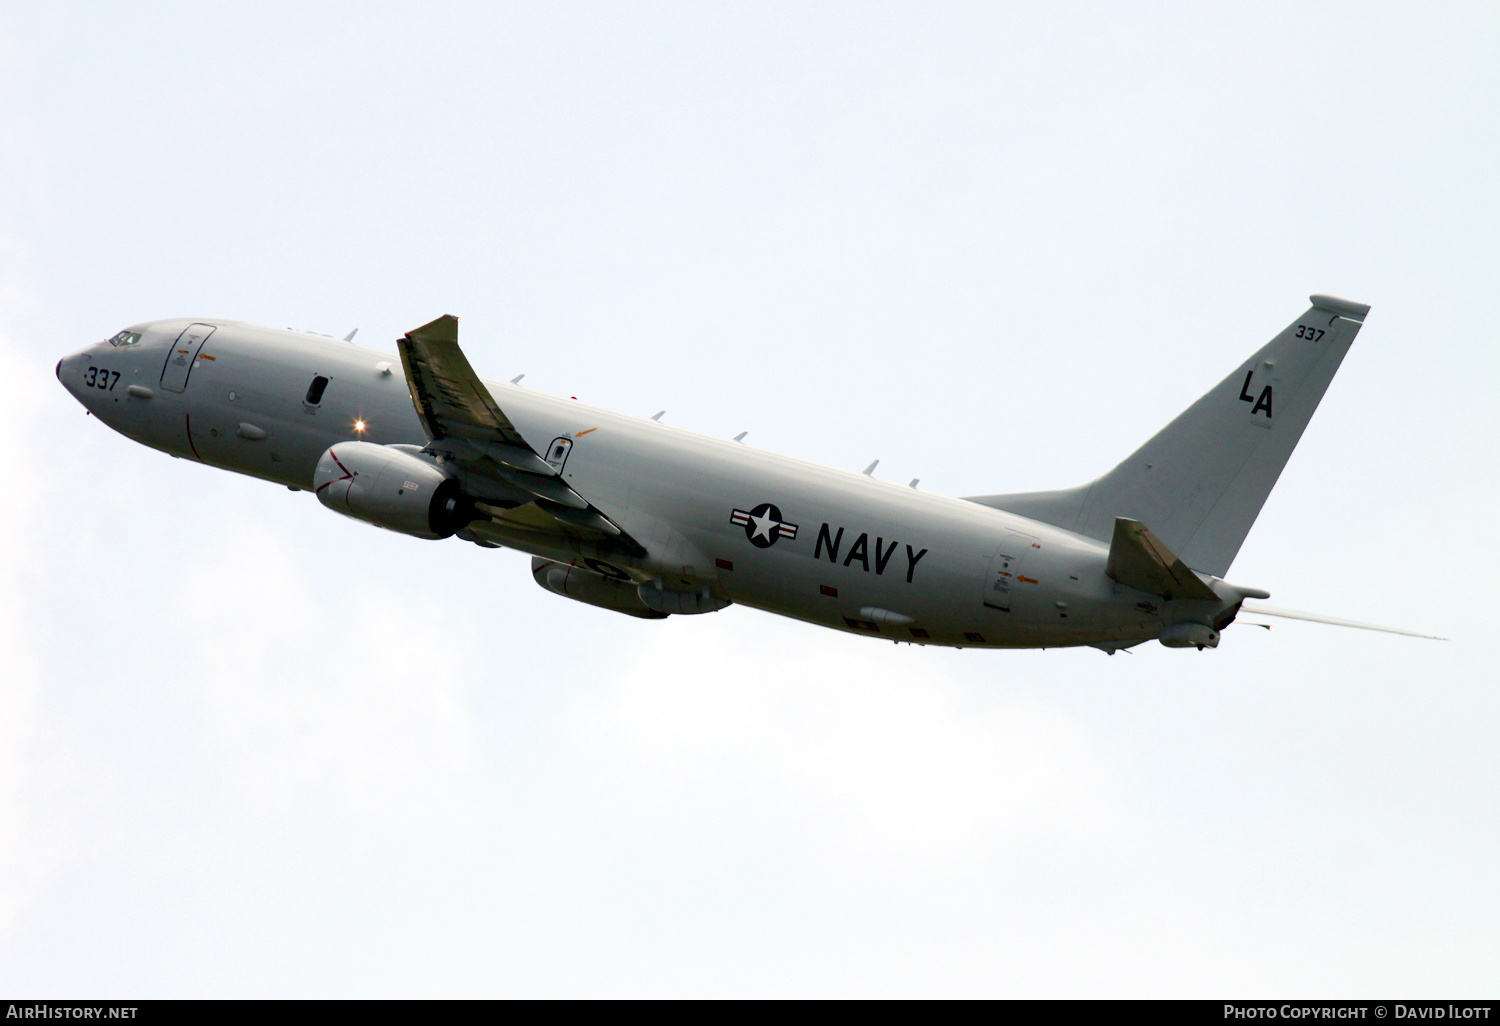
251	748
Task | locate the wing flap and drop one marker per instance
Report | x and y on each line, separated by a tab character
515	458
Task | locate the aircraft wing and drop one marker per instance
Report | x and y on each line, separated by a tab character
452	402
511	483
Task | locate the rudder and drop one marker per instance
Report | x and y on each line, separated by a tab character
1201	481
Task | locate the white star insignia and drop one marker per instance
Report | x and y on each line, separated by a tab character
763	525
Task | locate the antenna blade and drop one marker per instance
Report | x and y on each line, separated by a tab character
658	414
517	379
350	337
870	470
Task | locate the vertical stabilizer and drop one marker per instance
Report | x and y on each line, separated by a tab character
1201	482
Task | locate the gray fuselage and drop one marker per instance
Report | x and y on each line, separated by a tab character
851	552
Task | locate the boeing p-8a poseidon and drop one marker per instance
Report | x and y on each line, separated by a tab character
643	518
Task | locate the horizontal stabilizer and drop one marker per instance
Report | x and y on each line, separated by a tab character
1138	559
1292	614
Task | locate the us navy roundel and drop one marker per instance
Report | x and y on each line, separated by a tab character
763	525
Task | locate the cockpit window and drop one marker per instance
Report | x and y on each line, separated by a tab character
315	390
125	338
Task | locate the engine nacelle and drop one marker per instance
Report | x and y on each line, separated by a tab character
596	589
390	488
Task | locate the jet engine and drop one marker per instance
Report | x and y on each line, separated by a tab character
596	589
389	488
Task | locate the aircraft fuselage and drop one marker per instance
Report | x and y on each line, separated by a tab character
831	547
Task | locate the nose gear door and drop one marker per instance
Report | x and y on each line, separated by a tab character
1000	584
182	356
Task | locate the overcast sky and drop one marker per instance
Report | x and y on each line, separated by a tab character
251	748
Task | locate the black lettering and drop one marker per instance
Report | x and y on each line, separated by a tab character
911	561
882	560
860	550
833	544
1245	396
1263	403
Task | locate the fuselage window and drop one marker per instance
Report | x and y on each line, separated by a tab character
315	390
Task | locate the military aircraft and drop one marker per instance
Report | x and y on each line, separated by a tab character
643	518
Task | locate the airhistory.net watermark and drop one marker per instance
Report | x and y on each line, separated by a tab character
46	1011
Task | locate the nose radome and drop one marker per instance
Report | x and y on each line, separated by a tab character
70	380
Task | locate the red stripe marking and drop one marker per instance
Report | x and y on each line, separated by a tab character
349	475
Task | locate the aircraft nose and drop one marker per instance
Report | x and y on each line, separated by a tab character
69	372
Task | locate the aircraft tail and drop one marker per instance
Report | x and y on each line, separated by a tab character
1201	482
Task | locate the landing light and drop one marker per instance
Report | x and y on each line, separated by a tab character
359	426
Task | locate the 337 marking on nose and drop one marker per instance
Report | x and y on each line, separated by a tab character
98	377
